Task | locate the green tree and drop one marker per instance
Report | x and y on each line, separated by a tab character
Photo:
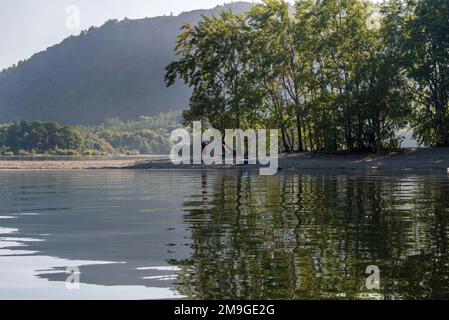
212	62
426	45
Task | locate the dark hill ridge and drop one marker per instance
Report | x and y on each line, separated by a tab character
115	70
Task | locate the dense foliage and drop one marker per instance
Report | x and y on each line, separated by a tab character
148	135
333	75
38	137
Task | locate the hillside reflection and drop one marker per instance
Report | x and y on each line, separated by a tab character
302	237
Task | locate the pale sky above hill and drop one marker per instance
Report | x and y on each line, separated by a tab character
30	26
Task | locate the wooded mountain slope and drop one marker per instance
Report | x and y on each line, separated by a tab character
116	70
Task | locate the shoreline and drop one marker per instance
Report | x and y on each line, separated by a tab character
421	159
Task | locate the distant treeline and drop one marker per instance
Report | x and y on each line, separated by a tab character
331	75
148	135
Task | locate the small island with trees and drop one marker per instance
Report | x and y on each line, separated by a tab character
331	75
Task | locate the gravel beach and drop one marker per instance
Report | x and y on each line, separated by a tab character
404	160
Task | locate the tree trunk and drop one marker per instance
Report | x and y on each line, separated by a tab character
441	125
284	138
299	128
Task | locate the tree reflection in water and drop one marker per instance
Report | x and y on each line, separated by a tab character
296	236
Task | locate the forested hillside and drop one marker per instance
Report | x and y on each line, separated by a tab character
116	70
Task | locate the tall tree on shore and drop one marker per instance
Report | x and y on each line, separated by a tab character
419	32
427	62
274	64
212	62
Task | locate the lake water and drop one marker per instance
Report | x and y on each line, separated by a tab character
209	235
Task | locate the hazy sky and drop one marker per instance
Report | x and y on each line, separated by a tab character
30	26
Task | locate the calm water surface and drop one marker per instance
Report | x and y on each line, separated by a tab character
210	235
